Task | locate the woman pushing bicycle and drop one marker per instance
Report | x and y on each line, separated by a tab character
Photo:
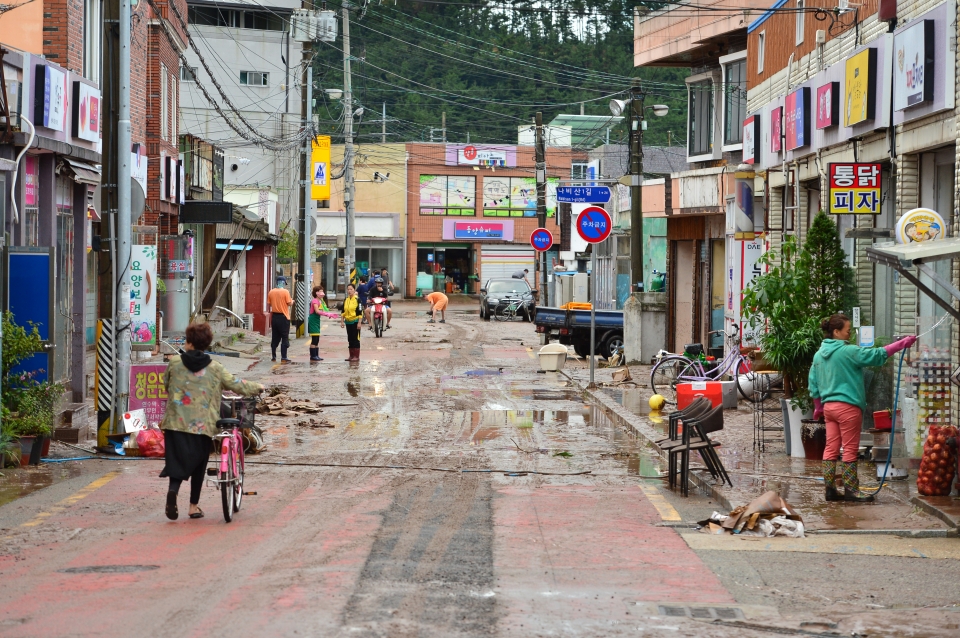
836	385
194	384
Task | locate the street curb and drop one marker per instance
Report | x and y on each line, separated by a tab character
933	510
618	413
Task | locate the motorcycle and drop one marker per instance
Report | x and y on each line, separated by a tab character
379	312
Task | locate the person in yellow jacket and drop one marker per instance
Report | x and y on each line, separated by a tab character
350	317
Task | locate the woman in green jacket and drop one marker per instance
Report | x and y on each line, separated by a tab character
195	385
836	385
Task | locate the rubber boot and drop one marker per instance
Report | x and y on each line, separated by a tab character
830	481
354	354
851	484
315	354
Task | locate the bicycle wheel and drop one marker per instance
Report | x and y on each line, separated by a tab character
226	482
238	482
759	383
378	326
665	375
500	313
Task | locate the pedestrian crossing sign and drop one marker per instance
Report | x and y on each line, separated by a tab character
320	171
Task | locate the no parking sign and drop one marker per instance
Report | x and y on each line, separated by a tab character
594	224
541	239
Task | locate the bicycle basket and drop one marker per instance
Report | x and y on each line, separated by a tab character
243	408
693	350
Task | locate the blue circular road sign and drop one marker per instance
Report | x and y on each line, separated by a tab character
541	239
594	224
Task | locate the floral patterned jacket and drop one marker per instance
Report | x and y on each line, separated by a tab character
193	398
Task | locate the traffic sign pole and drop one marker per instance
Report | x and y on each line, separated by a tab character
593	312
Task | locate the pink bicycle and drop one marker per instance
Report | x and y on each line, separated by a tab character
229	472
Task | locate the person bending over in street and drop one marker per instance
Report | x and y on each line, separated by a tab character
378	290
836	385
438	306
350	317
521	274
280	302
194	384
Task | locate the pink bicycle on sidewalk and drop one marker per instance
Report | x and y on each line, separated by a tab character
230	469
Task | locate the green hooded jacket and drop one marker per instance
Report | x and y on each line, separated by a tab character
837	371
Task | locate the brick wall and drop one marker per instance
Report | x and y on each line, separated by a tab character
63	33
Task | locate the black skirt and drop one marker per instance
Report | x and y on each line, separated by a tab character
185	453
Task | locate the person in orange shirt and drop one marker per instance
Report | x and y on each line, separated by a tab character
280	302
438	304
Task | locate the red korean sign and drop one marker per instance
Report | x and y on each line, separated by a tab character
147	391
854	188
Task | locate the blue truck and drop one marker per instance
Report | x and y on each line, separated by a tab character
572	327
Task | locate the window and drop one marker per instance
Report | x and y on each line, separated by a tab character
578	170
164	104
761	50
173	109
800	21
238	19
516	196
188	74
254	78
448	195
734	101
700	133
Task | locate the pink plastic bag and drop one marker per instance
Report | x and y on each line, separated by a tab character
150	442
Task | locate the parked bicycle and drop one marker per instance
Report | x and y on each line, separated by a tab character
509	308
672	369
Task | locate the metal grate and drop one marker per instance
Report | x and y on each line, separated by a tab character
701	613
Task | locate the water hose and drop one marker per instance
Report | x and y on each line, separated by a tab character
893	428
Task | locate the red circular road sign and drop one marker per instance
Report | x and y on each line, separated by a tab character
541	239
594	224
470	152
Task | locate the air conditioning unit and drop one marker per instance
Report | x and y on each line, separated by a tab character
248	321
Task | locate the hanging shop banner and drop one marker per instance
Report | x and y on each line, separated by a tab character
478	156
744	267
743	208
860	87
751	137
776	129
51	97
913	77
796	116
143	295
320	171
86	111
828	105
147	391
500	230
854	188
920	225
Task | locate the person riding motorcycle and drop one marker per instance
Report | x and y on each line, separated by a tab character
379	290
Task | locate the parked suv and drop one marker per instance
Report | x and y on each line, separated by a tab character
496	291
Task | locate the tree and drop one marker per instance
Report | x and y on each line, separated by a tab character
832	287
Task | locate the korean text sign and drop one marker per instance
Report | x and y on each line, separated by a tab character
776	130
143	295
796	115
147	391
320	168
854	188
913	65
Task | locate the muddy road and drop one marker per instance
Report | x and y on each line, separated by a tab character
451	491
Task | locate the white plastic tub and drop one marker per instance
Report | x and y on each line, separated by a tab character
552	357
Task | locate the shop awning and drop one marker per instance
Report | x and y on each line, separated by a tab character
81	172
251	227
904	257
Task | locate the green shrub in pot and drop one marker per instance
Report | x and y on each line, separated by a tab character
786	304
28	404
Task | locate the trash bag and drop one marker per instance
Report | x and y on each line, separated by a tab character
938	466
150	442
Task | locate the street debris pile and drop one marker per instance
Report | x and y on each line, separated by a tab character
767	515
939	463
315	423
284	405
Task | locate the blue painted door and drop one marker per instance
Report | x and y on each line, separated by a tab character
29	297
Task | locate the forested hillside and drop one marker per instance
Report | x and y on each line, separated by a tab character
490	66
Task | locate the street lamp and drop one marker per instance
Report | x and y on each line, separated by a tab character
635	107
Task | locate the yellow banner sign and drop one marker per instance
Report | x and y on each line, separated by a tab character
320	168
860	87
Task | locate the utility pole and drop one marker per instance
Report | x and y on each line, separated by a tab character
443	126
383	125
303	247
636	191
349	256
121	268
541	170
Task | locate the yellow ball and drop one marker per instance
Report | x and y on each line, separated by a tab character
656	402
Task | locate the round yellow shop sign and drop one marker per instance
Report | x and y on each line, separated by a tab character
920	224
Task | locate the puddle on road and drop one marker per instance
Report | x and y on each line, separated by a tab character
15	483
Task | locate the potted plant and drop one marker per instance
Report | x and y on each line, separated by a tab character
813	437
786	304
28	404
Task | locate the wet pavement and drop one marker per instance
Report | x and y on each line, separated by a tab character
446	489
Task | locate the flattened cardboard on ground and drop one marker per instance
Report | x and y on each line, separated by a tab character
769	503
